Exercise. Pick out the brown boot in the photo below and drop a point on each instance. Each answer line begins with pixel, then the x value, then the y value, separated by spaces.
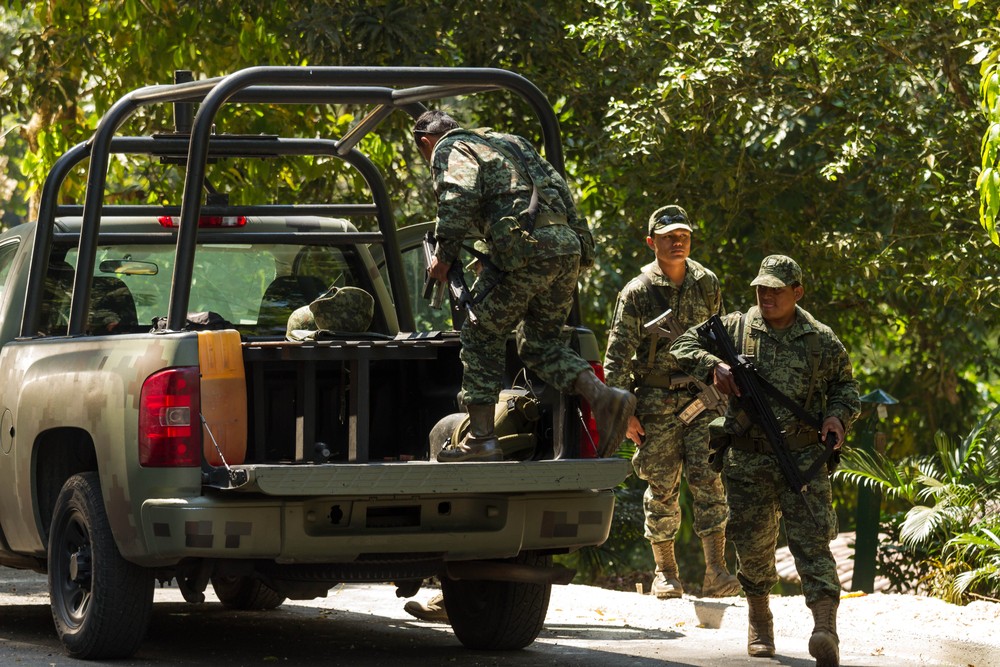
pixel 432 612
pixel 824 644
pixel 480 443
pixel 760 630
pixel 666 583
pixel 611 408
pixel 718 582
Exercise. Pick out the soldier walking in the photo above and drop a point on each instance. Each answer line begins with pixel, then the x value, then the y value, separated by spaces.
pixel 670 427
pixel 803 361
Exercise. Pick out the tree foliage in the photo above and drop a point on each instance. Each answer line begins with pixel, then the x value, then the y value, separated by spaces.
pixel 841 133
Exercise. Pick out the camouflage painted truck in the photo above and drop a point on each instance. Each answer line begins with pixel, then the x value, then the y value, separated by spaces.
pixel 157 425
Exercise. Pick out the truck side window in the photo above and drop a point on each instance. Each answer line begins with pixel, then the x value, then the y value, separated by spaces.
pixel 7 253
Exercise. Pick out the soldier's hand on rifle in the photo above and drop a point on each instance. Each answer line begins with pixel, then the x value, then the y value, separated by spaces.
pixel 438 270
pixel 833 425
pixel 636 433
pixel 724 380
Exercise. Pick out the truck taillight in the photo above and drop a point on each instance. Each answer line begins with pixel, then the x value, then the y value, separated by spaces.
pixel 169 419
pixel 588 434
pixel 207 221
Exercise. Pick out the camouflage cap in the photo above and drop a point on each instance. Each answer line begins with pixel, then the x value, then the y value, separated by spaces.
pixel 668 218
pixel 338 309
pixel 778 271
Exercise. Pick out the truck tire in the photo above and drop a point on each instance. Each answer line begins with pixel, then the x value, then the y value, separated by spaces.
pixel 498 615
pixel 246 594
pixel 101 603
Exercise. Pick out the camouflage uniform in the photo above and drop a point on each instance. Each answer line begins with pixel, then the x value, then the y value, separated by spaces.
pixel 758 494
pixel 479 186
pixel 669 444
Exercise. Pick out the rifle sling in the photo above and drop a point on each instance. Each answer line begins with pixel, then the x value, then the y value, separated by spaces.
pixel 533 204
pixel 795 408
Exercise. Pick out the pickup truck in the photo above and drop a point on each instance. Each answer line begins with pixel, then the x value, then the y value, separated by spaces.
pixel 157 424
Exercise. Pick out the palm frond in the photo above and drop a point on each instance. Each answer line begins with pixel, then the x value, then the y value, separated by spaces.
pixel 875 471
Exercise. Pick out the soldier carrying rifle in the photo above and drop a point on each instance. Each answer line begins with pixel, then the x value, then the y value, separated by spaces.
pixel 778 443
pixel 670 427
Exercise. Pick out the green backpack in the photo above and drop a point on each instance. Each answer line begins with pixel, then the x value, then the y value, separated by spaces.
pixel 515 419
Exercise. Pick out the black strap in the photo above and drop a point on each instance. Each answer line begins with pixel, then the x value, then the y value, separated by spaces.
pixel 533 204
pixel 654 291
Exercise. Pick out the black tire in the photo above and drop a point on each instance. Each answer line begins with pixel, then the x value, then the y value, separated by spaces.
pixel 101 603
pixel 498 615
pixel 246 594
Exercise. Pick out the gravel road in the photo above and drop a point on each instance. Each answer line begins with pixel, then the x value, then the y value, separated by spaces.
pixel 585 627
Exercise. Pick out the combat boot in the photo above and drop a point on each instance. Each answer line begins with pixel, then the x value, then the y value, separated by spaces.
pixel 666 582
pixel 480 443
pixel 433 612
pixel 611 409
pixel 760 629
pixel 824 644
pixel 718 582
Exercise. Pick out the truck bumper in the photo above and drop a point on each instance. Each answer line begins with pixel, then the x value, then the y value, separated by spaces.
pixel 344 529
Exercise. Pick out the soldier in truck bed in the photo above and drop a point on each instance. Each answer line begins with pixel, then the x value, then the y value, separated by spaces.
pixel 483 181
pixel 670 428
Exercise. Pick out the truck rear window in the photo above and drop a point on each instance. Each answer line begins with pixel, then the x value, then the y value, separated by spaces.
pixel 255 286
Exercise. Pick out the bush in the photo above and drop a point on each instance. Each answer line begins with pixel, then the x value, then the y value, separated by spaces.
pixel 950 531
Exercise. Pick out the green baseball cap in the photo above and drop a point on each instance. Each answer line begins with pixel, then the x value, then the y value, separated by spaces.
pixel 778 271
pixel 668 218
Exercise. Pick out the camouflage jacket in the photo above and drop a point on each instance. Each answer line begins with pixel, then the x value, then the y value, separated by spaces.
pixel 476 185
pixel 627 357
pixel 785 359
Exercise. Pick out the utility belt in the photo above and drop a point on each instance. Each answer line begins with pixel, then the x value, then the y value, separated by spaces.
pixel 547 219
pixel 760 445
pixel 677 381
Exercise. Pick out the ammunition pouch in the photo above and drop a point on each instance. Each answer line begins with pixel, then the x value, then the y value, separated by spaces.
pixel 718 442
pixel 664 381
pixel 510 246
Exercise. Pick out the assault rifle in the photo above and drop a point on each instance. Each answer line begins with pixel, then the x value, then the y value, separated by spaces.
pixel 460 292
pixel 759 411
pixel 667 327
pixel 433 290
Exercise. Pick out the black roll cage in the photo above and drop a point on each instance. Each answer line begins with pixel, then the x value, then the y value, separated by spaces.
pixel 388 88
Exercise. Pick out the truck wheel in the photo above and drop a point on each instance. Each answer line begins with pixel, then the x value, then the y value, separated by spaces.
pixel 101 603
pixel 497 615
pixel 246 594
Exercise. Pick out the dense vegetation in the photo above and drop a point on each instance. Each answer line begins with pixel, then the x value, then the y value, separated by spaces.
pixel 847 134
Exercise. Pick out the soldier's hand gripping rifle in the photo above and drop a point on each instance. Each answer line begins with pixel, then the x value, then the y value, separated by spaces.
pixel 433 290
pixel 753 401
pixel 461 295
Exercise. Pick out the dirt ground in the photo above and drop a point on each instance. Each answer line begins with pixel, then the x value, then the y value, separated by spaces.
pixel 919 629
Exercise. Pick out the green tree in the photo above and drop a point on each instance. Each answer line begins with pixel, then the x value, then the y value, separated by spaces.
pixel 838 133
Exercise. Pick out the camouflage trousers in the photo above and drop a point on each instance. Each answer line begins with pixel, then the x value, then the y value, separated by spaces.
pixel 669 448
pixel 536 300
pixel 758 498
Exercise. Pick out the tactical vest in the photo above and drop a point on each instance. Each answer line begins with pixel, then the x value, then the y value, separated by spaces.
pixel 656 293
pixel 747 346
